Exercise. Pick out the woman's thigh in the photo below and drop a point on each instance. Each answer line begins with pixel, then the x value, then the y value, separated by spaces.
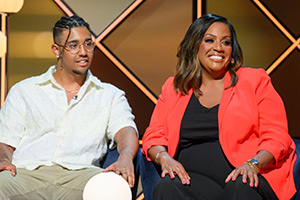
pixel 201 187
pixel 235 190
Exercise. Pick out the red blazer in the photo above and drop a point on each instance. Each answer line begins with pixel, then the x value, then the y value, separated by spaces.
pixel 251 118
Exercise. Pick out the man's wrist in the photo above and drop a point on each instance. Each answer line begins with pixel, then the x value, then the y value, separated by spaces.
pixel 126 154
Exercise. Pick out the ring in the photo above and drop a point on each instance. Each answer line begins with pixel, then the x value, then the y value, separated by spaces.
pixel 170 169
pixel 123 169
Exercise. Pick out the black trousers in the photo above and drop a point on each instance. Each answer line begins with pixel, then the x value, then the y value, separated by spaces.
pixel 208 169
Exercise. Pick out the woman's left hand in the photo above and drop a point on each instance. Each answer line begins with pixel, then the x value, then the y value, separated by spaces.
pixel 246 171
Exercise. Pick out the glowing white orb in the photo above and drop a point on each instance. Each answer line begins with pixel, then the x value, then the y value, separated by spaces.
pixel 107 186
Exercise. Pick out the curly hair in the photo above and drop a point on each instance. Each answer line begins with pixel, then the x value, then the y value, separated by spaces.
pixel 188 69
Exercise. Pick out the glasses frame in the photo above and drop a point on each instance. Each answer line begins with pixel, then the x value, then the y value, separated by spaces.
pixel 79 45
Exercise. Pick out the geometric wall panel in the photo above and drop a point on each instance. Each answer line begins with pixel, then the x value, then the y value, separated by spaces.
pixel 142 106
pixel 285 79
pixel 99 13
pixel 147 41
pixel 287 12
pixel 260 40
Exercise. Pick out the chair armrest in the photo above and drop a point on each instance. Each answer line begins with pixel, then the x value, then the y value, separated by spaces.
pixel 296 171
pixel 150 175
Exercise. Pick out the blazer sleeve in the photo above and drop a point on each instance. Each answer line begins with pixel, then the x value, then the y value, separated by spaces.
pixel 273 128
pixel 157 132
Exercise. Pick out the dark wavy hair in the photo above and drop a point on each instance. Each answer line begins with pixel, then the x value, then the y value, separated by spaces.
pixel 188 69
pixel 67 23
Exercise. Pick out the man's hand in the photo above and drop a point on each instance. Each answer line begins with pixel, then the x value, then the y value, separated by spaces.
pixel 6 153
pixel 127 145
pixel 123 166
pixel 5 165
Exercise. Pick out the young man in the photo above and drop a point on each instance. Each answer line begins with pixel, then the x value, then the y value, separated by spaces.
pixel 54 128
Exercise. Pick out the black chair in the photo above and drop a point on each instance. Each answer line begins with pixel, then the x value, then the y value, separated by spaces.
pixel 150 176
pixel 112 156
pixel 297 169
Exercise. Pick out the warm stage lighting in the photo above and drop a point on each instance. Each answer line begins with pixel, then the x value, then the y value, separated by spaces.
pixel 11 6
pixel 2 44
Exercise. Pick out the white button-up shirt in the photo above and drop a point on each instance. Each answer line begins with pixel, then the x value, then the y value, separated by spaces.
pixel 37 120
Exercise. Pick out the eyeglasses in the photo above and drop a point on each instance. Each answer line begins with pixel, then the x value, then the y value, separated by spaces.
pixel 73 47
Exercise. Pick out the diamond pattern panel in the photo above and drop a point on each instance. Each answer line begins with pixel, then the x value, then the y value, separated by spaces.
pixel 142 106
pixel 98 13
pixel 146 42
pixel 286 81
pixel 260 40
pixel 287 12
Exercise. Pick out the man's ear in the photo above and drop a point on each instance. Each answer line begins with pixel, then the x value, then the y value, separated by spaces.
pixel 55 50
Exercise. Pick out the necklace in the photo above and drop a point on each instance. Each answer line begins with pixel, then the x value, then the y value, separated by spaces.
pixel 72 91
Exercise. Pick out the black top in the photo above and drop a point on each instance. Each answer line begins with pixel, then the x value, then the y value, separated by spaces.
pixel 199 124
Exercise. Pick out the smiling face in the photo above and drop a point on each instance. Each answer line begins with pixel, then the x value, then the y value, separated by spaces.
pixel 74 63
pixel 215 50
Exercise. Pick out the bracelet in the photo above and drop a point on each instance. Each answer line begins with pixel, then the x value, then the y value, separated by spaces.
pixel 5 159
pixel 157 155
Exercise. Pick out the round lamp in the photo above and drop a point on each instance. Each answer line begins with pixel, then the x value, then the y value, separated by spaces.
pixel 11 6
pixel 107 186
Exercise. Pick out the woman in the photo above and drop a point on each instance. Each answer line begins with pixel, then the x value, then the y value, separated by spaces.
pixel 219 131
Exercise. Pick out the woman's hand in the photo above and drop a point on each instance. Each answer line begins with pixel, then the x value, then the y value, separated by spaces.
pixel 247 172
pixel 172 167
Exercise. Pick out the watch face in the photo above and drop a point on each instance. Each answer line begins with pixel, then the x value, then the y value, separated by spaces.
pixel 254 161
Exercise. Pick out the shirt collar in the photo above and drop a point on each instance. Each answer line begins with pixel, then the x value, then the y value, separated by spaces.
pixel 48 78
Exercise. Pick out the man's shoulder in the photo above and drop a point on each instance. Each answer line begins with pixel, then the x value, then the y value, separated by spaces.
pixel 109 89
pixel 109 86
pixel 26 83
pixel 31 81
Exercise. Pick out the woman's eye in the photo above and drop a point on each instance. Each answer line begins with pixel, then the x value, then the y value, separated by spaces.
pixel 208 40
pixel 227 43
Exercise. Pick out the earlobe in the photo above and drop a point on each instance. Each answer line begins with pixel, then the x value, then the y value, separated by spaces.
pixel 55 50
pixel 232 61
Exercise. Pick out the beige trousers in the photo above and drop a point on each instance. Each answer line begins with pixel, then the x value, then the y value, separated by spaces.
pixel 46 182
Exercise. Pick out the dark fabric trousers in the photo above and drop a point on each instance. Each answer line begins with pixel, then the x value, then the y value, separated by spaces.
pixel 206 189
pixel 208 169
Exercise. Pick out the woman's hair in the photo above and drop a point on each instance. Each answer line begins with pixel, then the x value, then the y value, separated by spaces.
pixel 188 69
pixel 67 23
